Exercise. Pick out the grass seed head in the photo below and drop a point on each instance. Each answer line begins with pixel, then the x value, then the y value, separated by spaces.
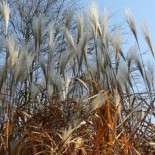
pixel 131 23
pixel 5 10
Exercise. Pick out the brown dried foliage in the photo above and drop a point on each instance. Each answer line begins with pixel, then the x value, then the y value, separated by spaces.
pixel 91 104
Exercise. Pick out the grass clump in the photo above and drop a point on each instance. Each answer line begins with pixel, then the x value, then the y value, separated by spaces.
pixel 84 99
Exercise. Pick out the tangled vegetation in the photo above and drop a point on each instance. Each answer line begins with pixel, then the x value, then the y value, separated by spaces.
pixel 90 98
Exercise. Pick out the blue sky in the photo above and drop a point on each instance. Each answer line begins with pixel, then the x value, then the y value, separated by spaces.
pixel 143 11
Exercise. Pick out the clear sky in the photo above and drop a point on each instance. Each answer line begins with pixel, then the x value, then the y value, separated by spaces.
pixel 143 11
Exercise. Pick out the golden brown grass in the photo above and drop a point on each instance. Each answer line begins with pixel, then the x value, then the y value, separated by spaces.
pixel 82 101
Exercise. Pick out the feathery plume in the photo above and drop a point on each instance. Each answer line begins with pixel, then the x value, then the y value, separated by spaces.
pixel 80 27
pixel 34 90
pixel 65 59
pixel 67 135
pixel 137 60
pixel 13 52
pixel 79 142
pixel 65 86
pixel 38 28
pixel 50 90
pixel 51 39
pixel 69 18
pixel 123 76
pixel 131 23
pixel 43 66
pixel 117 42
pixel 150 76
pixel 147 37
pixel 94 17
pixel 134 56
pixel 98 101
pixel 104 23
pixel 5 10
pixel 69 39
pixel 51 46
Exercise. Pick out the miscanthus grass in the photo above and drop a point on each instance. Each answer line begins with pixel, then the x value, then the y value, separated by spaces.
pixel 89 98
